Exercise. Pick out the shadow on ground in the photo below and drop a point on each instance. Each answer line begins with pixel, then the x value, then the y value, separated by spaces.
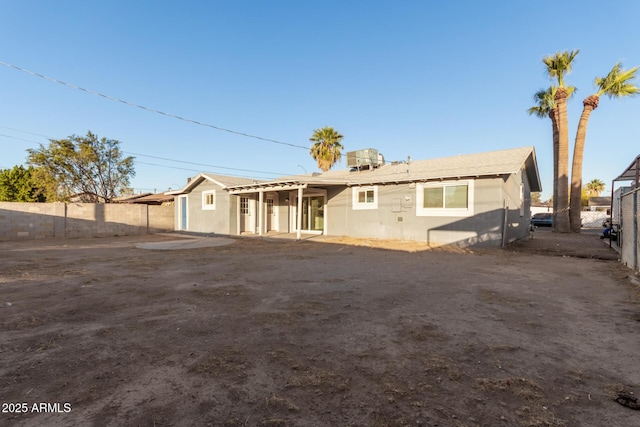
pixel 586 244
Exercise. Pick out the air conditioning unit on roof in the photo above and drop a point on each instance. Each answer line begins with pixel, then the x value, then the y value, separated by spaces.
pixel 365 158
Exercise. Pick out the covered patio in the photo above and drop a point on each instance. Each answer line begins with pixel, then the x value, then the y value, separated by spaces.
pixel 262 204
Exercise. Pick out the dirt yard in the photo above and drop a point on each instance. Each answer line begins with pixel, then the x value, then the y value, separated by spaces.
pixel 314 333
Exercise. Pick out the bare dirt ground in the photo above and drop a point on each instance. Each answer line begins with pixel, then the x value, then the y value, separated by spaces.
pixel 282 333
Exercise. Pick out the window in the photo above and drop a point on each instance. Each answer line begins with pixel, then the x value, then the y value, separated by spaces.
pixel 452 198
pixel 365 197
pixel 209 200
pixel 244 205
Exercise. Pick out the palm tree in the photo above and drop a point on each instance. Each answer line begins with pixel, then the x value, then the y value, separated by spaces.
pixel 558 65
pixel 546 107
pixel 326 148
pixel 594 187
pixel 616 84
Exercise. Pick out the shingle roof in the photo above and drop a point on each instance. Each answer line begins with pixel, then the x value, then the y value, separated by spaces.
pixel 470 165
pixel 223 180
pixel 493 163
pixel 229 181
pixel 502 162
pixel 600 201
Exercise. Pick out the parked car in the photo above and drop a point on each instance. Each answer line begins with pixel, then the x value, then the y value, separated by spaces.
pixel 542 220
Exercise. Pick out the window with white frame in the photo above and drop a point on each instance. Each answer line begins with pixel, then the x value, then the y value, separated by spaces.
pixel 365 197
pixel 209 200
pixel 447 198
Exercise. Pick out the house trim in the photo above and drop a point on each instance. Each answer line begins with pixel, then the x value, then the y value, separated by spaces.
pixel 356 204
pixel 208 206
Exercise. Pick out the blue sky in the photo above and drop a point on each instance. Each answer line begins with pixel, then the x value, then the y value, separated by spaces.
pixel 411 78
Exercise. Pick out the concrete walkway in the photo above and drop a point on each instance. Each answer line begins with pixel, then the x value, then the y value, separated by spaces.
pixel 185 242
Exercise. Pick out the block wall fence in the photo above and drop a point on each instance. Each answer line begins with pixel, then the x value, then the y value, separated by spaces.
pixel 24 221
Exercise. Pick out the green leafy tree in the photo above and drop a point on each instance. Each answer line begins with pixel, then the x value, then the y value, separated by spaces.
pixel 584 199
pixel 618 83
pixel 83 165
pixel 535 197
pixel 327 147
pixel 594 187
pixel 558 65
pixel 18 185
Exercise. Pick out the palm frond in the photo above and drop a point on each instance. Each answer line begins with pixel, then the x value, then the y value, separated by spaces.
pixel 560 64
pixel 618 82
pixel 544 102
pixel 326 149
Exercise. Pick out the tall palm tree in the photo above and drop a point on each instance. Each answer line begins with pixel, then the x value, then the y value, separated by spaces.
pixel 616 84
pixel 326 150
pixel 558 65
pixel 594 187
pixel 546 107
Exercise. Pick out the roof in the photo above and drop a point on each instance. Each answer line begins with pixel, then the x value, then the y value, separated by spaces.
pixel 631 173
pixel 494 163
pixel 599 201
pixel 130 198
pixel 223 181
pixel 153 199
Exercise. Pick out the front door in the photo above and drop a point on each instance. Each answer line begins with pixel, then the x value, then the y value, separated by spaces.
pixel 271 215
pixel 183 212
pixel 245 214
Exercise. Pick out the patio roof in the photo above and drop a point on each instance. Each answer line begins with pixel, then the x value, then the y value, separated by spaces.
pixel 631 173
pixel 269 186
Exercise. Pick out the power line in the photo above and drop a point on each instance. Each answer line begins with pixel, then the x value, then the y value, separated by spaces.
pixel 19 139
pixel 203 164
pixel 153 157
pixel 184 169
pixel 25 131
pixel 111 98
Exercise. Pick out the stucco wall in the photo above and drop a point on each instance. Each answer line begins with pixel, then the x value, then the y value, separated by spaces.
pixel 518 203
pixel 221 220
pixel 19 221
pixel 395 216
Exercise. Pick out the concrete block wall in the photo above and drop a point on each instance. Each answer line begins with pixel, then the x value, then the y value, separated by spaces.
pixel 161 218
pixel 20 221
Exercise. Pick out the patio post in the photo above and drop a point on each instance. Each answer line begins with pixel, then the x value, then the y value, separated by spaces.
pixel 260 211
pixel 299 212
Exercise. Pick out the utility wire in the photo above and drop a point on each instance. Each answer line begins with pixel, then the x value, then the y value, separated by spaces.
pixel 203 164
pixel 42 76
pixel 153 157
pixel 185 169
pixel 19 139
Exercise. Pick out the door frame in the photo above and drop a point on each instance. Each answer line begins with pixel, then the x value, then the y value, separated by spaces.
pixel 251 205
pixel 293 207
pixel 183 217
pixel 275 223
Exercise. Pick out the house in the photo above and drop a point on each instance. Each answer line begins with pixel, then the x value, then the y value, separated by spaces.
pixel 158 199
pixel 541 207
pixel 599 204
pixel 466 200
pixel 86 197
